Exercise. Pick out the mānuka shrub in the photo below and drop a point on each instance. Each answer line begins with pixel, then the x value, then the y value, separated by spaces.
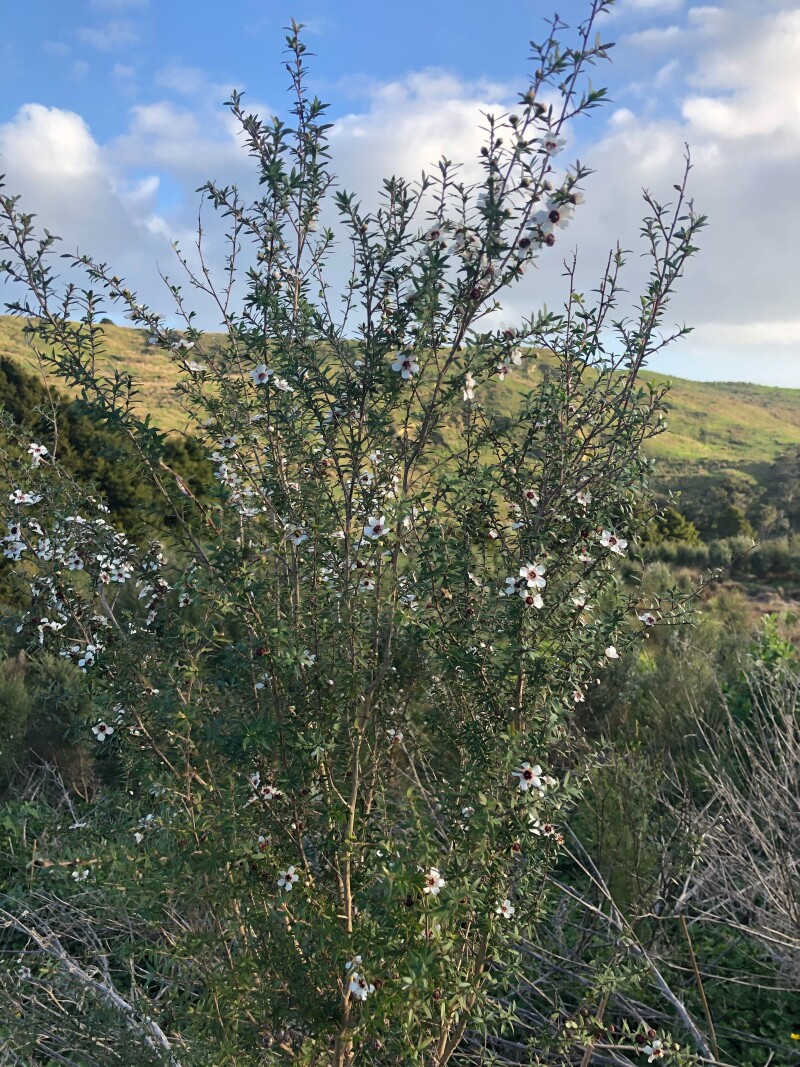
pixel 340 690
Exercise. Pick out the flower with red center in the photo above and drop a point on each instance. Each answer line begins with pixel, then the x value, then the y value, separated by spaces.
pixel 261 374
pixel 376 527
pixel 529 777
pixel 405 365
pixel 615 544
pixel 287 878
pixel 433 882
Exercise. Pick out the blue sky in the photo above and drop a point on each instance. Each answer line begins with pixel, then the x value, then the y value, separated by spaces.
pixel 111 116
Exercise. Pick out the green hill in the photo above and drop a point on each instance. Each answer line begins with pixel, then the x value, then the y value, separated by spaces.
pixel 721 430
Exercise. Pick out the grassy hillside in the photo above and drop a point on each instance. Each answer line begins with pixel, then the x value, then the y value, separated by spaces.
pixel 726 429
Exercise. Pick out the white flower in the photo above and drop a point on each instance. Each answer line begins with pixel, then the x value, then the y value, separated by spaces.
pixel 469 387
pixel 81 876
pixel 228 442
pixel 584 497
pixel 182 345
pixel 534 575
pixel 466 243
pixel 366 478
pixel 282 385
pixel 359 987
pixel 193 366
pixel 610 541
pixel 514 586
pixel 648 618
pixel 269 793
pixel 505 908
pixel 433 882
pixel 655 1050
pixel 295 534
pixel 37 453
pixel 532 600
pixel 102 730
pixel 435 234
pixel 18 497
pixel 287 878
pixel 530 496
pixel 405 366
pixel 468 811
pixel 376 527
pixel 529 777
pixel 551 143
pixel 577 696
pixel 366 584
pixel 611 653
pixel 556 216
pixel 260 374
pixel 138 837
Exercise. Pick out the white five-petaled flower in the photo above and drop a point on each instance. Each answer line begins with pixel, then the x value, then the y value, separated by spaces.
pixel 534 575
pixel 19 497
pixel 648 618
pixel 295 534
pixel 182 345
pixel 655 1050
pixel 376 527
pixel 405 365
pixel 433 882
pixel 81 876
pixel 551 143
pixel 37 453
pixel 469 387
pixel 435 234
pixel 359 987
pixel 287 878
pixel 102 730
pixel 610 541
pixel 584 497
pixel 611 653
pixel 261 374
pixel 505 908
pixel 270 792
pixel 531 600
pixel 282 385
pixel 395 736
pixel 529 777
pixel 228 442
pixel 555 216
pixel 578 696
pixel 530 496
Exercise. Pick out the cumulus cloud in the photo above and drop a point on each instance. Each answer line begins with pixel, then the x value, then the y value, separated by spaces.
pixel 733 94
pixel 110 37
pixel 51 157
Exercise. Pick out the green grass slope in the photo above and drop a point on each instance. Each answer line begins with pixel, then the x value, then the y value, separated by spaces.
pixel 714 428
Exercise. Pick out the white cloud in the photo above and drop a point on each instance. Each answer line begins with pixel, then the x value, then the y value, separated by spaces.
pixel 655 37
pixel 738 107
pixel 110 37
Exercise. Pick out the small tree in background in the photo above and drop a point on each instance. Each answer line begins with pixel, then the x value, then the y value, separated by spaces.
pixel 339 693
